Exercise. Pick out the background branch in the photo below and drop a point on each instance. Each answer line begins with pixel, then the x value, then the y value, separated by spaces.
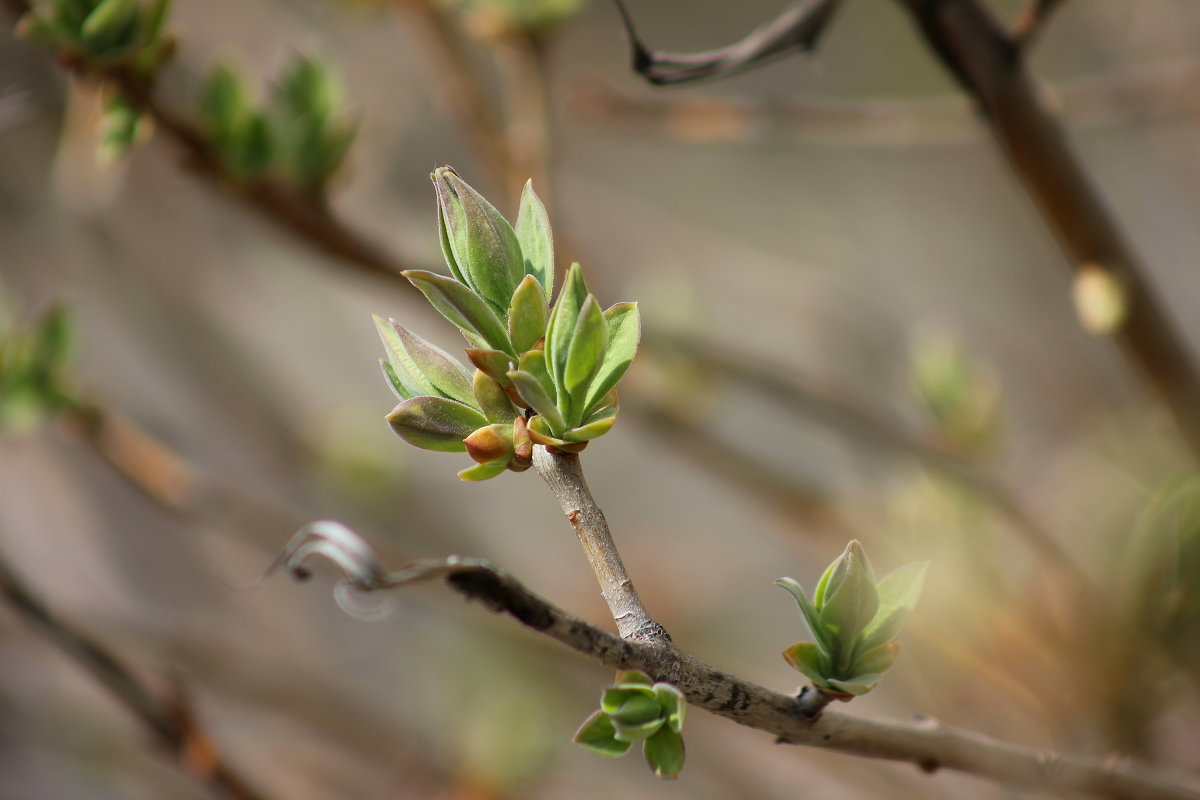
pixel 163 710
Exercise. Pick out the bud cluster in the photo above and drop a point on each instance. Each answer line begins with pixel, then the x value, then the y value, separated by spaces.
pixel 126 34
pixel 635 709
pixel 542 375
pixel 299 136
pixel 853 620
pixel 101 31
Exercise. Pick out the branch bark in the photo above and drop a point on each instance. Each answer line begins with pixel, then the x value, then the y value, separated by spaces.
pixel 563 474
pixel 927 743
pixel 165 711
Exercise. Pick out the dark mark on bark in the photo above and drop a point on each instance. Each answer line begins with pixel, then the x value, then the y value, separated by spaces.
pixel 494 592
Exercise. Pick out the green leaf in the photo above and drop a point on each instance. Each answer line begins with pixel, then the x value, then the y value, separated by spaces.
pixel 632 676
pixel 444 229
pixel 898 594
pixel 615 697
pixel 435 423
pixel 527 314
pixel 598 735
pixel 462 307
pixel 624 331
pixel 877 660
pixel 531 391
pixel 534 362
pixel 491 399
pixel 806 658
pixel 494 363
pixel 858 685
pixel 811 617
pixel 484 244
pixel 823 585
pixel 584 355
pixel 537 241
pixel 119 129
pixel 636 731
pixel 851 605
pixel 110 24
pixel 430 365
pixel 483 472
pixel 665 753
pixel 152 21
pixel 540 433
pixel 398 388
pixel 672 703
pixel 563 318
pixel 595 427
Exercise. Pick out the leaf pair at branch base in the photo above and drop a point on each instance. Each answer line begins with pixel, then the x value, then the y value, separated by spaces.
pixel 635 709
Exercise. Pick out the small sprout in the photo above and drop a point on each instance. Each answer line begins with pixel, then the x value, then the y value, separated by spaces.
pixel 33 362
pixel 854 620
pixel 960 393
pixel 543 376
pixel 635 709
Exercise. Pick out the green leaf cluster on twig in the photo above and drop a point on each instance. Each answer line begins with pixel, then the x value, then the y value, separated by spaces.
pixel 300 136
pixel 635 709
pixel 126 34
pixel 543 375
pixel 854 620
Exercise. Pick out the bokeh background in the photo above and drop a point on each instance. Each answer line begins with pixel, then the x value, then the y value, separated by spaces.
pixel 856 326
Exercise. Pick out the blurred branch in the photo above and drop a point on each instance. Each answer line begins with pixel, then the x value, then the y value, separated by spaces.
pixel 1032 20
pixel 856 422
pixel 1157 91
pixel 986 61
pixel 796 29
pixel 164 710
pixel 303 214
pixel 462 93
pixel 926 743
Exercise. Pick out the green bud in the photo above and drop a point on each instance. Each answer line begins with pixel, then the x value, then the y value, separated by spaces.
pixel 435 423
pixel 635 709
pixel 483 245
pixel 853 621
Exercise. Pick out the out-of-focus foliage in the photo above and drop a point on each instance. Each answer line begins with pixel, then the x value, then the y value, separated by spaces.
pixel 107 31
pixel 960 394
pixel 33 362
pixel 300 136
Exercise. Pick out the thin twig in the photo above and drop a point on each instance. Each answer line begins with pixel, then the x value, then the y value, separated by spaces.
pixel 164 710
pixel 796 29
pixel 926 743
pixel 564 476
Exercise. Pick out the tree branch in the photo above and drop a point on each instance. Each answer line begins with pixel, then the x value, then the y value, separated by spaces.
pixel 979 53
pixel 926 743
pixel 564 476
pixel 164 711
pixel 1032 20
pixel 796 29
